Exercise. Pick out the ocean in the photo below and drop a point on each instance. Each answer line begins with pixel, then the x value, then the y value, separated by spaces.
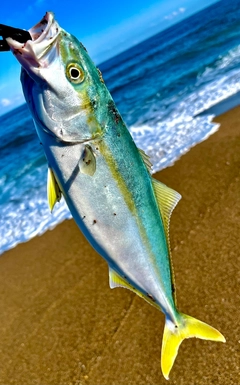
pixel 164 89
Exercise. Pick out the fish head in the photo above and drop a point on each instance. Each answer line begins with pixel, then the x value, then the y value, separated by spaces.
pixel 61 84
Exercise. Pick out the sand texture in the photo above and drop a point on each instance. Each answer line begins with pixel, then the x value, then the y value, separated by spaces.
pixel 60 323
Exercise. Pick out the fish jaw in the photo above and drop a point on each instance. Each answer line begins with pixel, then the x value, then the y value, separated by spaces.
pixel 41 51
pixel 62 108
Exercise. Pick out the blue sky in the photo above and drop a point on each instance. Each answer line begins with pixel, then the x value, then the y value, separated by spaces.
pixel 105 28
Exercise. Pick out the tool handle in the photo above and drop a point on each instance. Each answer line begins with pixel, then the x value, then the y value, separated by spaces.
pixel 4 46
pixel 21 35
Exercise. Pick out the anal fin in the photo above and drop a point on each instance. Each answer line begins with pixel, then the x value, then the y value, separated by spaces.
pixel 115 280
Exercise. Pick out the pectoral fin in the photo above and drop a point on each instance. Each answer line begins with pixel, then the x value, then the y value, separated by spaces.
pixel 53 191
pixel 87 162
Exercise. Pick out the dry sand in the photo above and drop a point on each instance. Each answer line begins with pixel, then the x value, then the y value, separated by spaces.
pixel 61 324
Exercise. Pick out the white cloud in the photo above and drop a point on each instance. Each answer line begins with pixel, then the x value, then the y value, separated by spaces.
pixel 10 102
pixel 5 102
pixel 174 14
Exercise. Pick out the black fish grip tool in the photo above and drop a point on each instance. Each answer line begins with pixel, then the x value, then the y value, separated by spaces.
pixel 21 35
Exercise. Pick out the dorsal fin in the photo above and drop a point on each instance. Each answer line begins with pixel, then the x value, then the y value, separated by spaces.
pixel 146 159
pixel 167 199
pixel 53 191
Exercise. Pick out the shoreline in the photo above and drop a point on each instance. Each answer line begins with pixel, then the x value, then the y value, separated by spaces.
pixel 61 324
pixel 216 110
pixel 222 106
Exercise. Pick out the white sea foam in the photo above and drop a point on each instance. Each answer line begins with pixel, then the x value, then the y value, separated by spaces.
pixel 31 217
pixel 166 139
pixel 165 132
pixel 163 140
pixel 172 140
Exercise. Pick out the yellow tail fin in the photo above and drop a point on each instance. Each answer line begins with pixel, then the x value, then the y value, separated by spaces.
pixel 187 327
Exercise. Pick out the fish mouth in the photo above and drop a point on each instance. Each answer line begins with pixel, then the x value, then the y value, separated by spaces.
pixel 35 52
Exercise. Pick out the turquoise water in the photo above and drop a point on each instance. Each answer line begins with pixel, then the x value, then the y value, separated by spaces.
pixel 159 86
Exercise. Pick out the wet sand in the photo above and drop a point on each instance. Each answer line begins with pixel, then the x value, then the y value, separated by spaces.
pixel 60 323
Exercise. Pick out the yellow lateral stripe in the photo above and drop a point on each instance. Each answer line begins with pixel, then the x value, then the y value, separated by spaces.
pixel 117 176
pixel 128 199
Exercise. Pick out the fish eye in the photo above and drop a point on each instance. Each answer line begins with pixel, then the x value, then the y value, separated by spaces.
pixel 75 73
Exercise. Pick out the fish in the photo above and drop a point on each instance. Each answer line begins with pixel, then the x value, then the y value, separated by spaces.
pixel 106 181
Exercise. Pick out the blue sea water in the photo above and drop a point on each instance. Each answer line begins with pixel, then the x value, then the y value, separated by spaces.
pixel 159 86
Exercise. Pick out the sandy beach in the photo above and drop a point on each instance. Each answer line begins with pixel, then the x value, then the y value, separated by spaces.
pixel 61 324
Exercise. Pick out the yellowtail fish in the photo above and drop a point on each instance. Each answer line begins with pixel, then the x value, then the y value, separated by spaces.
pixel 105 179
